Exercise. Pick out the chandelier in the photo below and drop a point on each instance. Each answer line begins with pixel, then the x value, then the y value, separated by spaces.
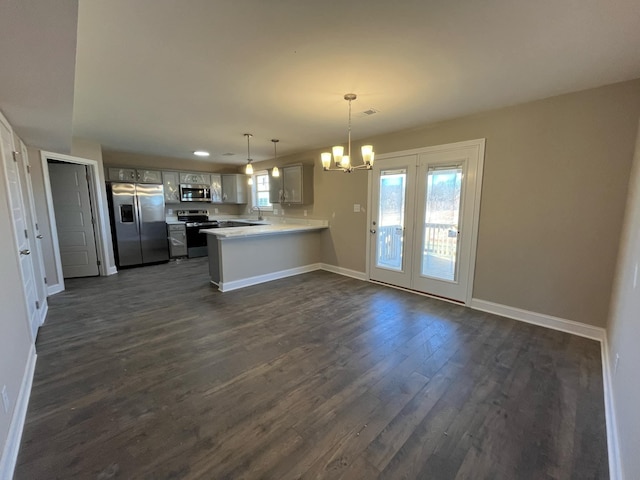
pixel 343 162
pixel 249 168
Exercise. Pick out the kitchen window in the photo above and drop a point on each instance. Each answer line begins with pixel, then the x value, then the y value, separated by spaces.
pixel 260 191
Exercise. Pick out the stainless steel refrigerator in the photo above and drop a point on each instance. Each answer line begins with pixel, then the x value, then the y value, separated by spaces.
pixel 138 223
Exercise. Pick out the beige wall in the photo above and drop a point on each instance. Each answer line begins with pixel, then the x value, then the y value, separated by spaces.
pixel 623 331
pixel 554 190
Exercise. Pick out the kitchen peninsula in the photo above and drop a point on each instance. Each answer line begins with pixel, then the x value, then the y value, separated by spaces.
pixel 244 256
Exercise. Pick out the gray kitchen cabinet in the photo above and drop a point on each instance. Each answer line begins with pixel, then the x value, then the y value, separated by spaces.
pixel 171 183
pixel 234 188
pixel 149 176
pixel 195 178
pixel 138 175
pixel 177 240
pixel 216 188
pixel 116 174
pixel 293 187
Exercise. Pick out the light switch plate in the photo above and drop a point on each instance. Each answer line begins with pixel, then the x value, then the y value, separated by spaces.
pixel 356 208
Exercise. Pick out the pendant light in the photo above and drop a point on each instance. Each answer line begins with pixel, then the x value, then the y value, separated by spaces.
pixel 275 172
pixel 343 162
pixel 249 168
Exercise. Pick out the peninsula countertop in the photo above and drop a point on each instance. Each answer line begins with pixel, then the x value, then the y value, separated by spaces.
pixel 266 228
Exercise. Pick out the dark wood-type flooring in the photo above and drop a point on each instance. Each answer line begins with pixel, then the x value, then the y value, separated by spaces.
pixel 154 374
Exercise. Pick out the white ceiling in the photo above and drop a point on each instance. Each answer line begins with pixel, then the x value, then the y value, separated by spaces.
pixel 166 77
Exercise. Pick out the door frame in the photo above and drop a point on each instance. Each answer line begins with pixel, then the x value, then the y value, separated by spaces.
pixel 480 143
pixel 98 209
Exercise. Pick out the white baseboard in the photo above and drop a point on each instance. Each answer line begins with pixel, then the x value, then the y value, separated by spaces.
pixel 55 288
pixel 344 271
pixel 267 277
pixel 615 470
pixel 10 452
pixel 555 323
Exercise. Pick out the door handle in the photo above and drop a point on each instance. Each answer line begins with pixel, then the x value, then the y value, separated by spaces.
pixel 26 251
pixel 373 230
pixel 40 236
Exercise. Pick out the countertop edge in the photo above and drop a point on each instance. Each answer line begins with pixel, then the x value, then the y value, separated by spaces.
pixel 258 231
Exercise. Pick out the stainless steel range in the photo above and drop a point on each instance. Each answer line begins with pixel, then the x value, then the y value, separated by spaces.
pixel 196 220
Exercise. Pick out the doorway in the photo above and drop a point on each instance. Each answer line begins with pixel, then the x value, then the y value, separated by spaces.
pixel 425 206
pixel 102 230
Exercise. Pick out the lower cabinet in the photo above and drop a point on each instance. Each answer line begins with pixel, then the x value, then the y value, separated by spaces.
pixel 177 240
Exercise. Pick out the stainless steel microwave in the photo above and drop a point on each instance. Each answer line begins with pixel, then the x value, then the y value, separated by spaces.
pixel 195 193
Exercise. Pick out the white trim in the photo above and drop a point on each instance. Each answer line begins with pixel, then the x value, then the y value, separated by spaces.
pixel 97 205
pixel 11 447
pixel 344 271
pixel 55 288
pixel 476 218
pixel 480 145
pixel 555 323
pixel 433 148
pixel 112 270
pixel 267 277
pixel 615 469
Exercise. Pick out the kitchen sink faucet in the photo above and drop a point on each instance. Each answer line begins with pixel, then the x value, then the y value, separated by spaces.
pixel 259 213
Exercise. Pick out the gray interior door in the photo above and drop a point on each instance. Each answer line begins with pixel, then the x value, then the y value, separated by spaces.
pixel 74 219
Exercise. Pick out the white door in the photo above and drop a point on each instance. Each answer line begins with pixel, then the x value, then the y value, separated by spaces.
pixel 393 191
pixel 445 207
pixel 425 210
pixel 74 219
pixel 34 230
pixel 20 225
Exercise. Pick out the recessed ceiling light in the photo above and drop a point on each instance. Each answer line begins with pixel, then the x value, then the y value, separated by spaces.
pixel 201 153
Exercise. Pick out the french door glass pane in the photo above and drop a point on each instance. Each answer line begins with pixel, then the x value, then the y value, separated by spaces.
pixel 442 213
pixel 390 228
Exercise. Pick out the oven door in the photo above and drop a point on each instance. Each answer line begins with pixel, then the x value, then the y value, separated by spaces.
pixel 195 193
pixel 197 241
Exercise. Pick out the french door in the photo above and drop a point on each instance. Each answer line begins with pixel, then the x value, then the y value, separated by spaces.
pixel 424 217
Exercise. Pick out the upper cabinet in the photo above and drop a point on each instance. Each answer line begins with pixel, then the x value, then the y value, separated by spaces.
pixel 171 182
pixel 195 178
pixel 293 187
pixel 216 188
pixel 234 188
pixel 137 175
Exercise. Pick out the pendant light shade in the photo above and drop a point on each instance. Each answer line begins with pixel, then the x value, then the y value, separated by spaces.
pixel 275 172
pixel 249 168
